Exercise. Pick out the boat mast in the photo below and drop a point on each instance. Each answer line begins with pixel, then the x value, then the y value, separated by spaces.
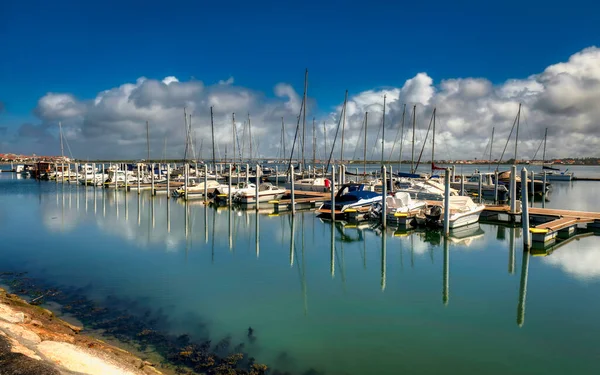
pixel 314 145
pixel 365 146
pixel 401 138
pixel 233 137
pixel 187 135
pixel 304 118
pixel 517 135
pixel 250 135
pixel 383 129
pixel 545 136
pixel 343 127
pixel 412 160
pixel 433 144
pixel 148 139
pixel 284 155
pixel 62 150
pixel 491 145
pixel 324 140
pixel 212 130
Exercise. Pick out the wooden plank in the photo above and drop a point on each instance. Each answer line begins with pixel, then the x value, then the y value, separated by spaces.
pixel 564 213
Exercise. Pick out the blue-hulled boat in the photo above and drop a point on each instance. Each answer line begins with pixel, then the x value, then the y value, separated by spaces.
pixel 351 196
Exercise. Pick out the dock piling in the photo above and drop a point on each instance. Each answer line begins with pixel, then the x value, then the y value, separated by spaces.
pixel 383 196
pixel 152 178
pixel 205 183
pixel 513 188
pixel 293 198
pixel 187 180
pixel 496 187
pixel 276 176
pixel 229 183
pixel 544 191
pixel 168 183
pixel 532 189
pixel 480 188
pixel 447 202
pixel 139 176
pixel 257 185
pixel 462 184
pixel 332 193
pixel 525 209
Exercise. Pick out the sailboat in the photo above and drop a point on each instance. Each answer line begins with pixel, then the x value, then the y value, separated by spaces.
pixel 552 174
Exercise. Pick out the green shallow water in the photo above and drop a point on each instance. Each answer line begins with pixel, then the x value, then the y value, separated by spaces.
pixel 371 303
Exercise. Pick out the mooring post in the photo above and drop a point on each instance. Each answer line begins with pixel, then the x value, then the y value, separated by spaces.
pixel 453 173
pixel 340 179
pixel 332 192
pixel 139 176
pixel 391 181
pixel 77 175
pixel 152 178
pixel 126 179
pixel 276 176
pixel 186 180
pixel 257 186
pixel 447 202
pixel 532 189
pixel 247 176
pixel 168 182
pixel 205 183
pixel 229 186
pixel 293 192
pixel 544 192
pixel 480 188
pixel 513 188
pixel 383 196
pixel 496 187
pixel 525 209
pixel 462 184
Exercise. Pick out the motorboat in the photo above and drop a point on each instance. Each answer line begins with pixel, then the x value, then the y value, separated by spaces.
pixel 488 186
pixel 222 192
pixel 266 192
pixel 318 184
pixel 463 211
pixel 351 196
pixel 211 185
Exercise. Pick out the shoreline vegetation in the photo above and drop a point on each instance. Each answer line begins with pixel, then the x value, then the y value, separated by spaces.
pixel 35 340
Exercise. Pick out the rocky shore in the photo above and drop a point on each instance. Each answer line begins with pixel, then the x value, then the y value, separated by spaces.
pixel 35 342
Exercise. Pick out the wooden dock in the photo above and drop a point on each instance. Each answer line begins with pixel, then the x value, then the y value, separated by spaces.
pixel 547 224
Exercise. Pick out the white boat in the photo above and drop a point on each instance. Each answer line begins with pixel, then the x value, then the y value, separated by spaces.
pixel 197 189
pixel 555 175
pixel 402 203
pixel 222 192
pixel 318 184
pixel 463 211
pixel 428 189
pixel 89 175
pixel 266 192
pixel 351 196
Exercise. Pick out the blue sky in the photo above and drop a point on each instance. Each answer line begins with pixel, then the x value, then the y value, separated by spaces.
pixel 84 47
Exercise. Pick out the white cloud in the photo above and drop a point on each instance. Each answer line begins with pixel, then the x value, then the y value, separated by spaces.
pixel 563 98
pixel 581 260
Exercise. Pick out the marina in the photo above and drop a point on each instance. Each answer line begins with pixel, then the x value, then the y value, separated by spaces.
pixel 147 250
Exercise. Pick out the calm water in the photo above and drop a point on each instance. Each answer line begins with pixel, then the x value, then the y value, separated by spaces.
pixel 364 303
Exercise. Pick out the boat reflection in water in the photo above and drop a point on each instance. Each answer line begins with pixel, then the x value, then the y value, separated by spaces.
pixel 367 286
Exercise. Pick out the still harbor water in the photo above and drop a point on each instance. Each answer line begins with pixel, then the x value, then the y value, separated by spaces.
pixel 339 300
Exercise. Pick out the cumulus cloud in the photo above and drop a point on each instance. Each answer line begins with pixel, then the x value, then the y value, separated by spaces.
pixel 581 261
pixel 562 98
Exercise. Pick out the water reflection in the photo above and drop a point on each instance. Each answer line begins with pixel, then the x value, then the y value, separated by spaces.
pixel 523 289
pixel 369 309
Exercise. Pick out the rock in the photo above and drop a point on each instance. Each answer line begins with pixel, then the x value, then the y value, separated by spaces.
pixel 12 363
pixel 36 323
pixel 73 327
pixel 19 332
pixel 73 358
pixel 10 315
